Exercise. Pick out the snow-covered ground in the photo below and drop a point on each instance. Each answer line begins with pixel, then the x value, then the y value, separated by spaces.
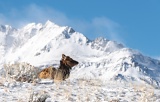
pixel 80 90
pixel 107 71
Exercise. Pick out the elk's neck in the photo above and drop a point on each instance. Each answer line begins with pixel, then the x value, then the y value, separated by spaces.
pixel 64 66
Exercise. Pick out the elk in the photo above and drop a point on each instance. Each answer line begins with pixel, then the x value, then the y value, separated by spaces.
pixel 62 72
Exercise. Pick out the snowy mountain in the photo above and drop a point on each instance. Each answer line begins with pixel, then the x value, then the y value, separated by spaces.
pixel 43 44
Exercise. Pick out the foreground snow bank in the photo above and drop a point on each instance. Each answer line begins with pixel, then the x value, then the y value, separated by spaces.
pixel 81 90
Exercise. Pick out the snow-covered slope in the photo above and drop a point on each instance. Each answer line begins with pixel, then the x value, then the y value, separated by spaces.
pixel 43 44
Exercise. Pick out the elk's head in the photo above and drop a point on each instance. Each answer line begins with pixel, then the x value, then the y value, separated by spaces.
pixel 68 61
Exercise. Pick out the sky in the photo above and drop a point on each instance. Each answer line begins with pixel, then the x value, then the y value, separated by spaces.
pixel 135 23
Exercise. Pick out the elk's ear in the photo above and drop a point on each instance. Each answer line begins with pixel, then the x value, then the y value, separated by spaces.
pixel 63 56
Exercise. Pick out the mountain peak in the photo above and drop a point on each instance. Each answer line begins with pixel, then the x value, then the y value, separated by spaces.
pixel 29 25
pixel 6 28
pixel 101 39
pixel 70 30
pixel 50 24
pixel 32 26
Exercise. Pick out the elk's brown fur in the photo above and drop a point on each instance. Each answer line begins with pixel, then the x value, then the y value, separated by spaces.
pixel 62 73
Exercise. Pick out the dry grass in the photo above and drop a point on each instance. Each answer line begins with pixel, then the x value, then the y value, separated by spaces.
pixel 22 72
pixel 86 90
pixel 147 92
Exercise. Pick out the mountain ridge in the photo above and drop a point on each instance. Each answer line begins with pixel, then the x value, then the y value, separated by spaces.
pixel 43 44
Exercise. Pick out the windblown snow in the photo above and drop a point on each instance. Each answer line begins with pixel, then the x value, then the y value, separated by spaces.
pixel 101 59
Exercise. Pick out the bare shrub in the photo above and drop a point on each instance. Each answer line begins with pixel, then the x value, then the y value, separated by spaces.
pixel 22 72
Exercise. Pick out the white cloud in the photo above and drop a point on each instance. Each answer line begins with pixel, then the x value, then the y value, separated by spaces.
pixel 98 26
pixel 105 26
